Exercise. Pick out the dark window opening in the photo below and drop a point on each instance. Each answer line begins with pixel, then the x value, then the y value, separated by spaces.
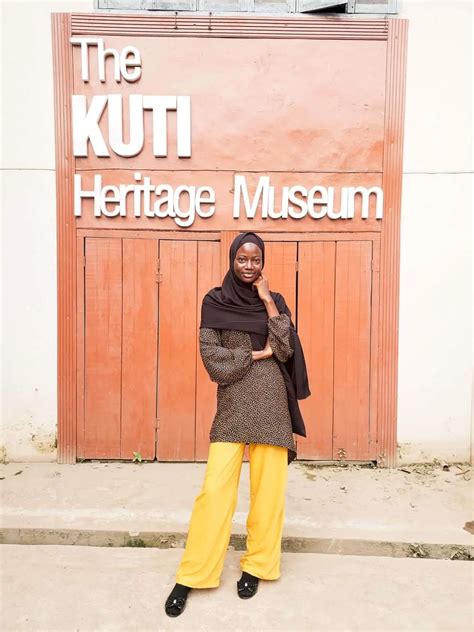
pixel 339 8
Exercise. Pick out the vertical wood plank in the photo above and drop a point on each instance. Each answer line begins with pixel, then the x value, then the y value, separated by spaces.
pixel 280 269
pixel 139 347
pixel 374 350
pixel 209 275
pixel 316 265
pixel 352 350
pixel 103 352
pixel 227 237
pixel 177 351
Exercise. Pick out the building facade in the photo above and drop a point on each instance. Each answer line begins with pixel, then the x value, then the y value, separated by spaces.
pixel 171 133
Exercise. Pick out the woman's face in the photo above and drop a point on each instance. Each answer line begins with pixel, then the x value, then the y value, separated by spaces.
pixel 248 262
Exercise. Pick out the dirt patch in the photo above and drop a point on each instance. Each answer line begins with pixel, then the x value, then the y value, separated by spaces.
pixel 425 471
pixel 313 470
pixel 44 443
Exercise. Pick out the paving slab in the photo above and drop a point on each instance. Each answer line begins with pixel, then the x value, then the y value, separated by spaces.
pixel 90 589
pixel 421 504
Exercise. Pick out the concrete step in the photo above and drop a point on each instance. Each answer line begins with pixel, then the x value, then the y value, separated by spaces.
pixel 353 510
pixel 167 540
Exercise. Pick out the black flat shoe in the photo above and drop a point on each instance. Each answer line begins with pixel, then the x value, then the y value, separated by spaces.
pixel 176 601
pixel 247 586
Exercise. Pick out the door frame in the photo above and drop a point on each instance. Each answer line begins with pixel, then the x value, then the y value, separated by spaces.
pixel 394 31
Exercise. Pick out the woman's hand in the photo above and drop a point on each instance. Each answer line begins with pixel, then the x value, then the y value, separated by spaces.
pixel 262 287
pixel 266 352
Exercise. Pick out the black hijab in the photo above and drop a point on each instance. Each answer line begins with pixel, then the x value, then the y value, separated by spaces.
pixel 236 305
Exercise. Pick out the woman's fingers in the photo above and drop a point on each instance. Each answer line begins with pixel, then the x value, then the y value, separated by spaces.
pixel 268 350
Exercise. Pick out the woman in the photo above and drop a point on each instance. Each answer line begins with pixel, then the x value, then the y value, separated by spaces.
pixel 249 346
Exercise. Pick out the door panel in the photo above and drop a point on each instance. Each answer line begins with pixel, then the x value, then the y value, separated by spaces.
pixel 120 334
pixel 280 269
pixel 103 348
pixel 334 314
pixel 177 351
pixel 139 347
pixel 316 272
pixel 208 276
pixel 352 350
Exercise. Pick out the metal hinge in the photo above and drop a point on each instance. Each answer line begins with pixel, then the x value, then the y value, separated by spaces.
pixel 374 266
pixel 296 266
pixel 84 261
pixel 157 427
pixel 158 275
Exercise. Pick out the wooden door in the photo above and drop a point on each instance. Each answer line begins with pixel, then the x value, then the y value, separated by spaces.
pixel 136 291
pixel 351 426
pixel 186 396
pixel 139 347
pixel 177 350
pixel 334 322
pixel 119 354
pixel 141 363
pixel 316 279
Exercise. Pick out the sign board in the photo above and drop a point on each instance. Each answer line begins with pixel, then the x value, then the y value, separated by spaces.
pixel 228 134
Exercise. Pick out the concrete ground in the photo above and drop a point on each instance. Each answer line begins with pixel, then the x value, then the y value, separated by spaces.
pixel 424 503
pixel 348 509
pixel 91 589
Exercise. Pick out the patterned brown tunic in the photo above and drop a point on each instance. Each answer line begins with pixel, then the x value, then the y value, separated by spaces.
pixel 252 404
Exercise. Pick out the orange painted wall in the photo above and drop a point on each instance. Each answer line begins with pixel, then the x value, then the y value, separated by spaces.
pixel 320 109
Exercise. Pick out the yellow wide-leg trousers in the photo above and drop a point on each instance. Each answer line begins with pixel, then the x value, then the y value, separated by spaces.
pixel 210 525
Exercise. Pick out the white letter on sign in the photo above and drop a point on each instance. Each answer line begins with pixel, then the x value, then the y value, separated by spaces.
pixel 85 125
pixel 132 62
pixel 159 105
pixel 135 145
pixel 79 194
pixel 184 126
pixel 365 194
pixel 240 188
pixel 102 53
pixel 84 42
